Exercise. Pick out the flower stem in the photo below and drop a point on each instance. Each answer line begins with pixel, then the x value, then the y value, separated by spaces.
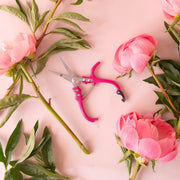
pixel 178 130
pixel 136 169
pixel 47 23
pixel 150 68
pixel 49 107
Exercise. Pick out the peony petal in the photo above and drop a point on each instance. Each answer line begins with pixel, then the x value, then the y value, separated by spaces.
pixel 139 62
pixel 146 130
pixel 142 45
pixel 169 156
pixel 149 148
pixel 167 146
pixel 129 137
pixel 164 129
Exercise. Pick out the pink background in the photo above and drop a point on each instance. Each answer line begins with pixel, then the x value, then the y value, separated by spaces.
pixel 112 23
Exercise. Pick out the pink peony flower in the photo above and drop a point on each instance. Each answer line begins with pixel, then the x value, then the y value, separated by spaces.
pixel 171 8
pixel 11 53
pixel 149 137
pixel 134 54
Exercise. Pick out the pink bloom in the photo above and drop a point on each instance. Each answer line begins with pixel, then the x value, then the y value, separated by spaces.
pixel 148 136
pixel 171 8
pixel 134 54
pixel 13 52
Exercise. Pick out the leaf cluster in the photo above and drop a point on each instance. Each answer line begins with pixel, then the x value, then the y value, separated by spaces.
pixel 170 80
pixel 44 165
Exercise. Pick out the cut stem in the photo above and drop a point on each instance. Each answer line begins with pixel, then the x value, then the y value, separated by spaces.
pixel 54 113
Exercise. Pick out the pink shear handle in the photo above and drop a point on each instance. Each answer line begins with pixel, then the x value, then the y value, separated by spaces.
pixel 99 80
pixel 79 99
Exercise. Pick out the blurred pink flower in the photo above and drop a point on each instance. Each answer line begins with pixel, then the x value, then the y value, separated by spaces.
pixel 13 52
pixel 149 137
pixel 171 8
pixel 134 54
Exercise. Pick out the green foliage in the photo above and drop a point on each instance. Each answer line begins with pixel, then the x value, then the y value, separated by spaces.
pixel 78 2
pixel 12 102
pixel 43 149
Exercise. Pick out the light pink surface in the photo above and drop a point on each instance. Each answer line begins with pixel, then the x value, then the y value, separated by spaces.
pixel 112 23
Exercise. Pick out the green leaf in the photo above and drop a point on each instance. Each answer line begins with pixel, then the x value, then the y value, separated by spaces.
pixel 171 70
pixel 173 33
pixel 40 145
pixel 8 115
pixel 72 15
pixel 153 164
pixel 64 31
pixel 13 99
pixel 78 2
pixel 29 169
pixel 21 8
pixel 53 0
pixel 47 151
pixel 51 174
pixel 41 18
pixel 13 174
pixel 34 15
pixel 2 157
pixel 172 122
pixel 13 141
pixel 128 161
pixel 15 12
pixel 126 156
pixel 29 147
pixel 69 23
pixel 29 9
pixel 163 100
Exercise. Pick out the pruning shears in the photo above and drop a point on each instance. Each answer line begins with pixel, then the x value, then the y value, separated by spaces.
pixel 76 80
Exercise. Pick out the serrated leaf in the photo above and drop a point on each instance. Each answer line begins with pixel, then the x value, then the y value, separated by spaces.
pixel 78 2
pixel 29 147
pixel 12 100
pixel 15 12
pixel 72 15
pixel 71 23
pixel 47 151
pixel 29 169
pixel 13 141
pixel 13 174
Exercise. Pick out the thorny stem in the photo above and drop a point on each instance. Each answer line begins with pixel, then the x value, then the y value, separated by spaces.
pixel 49 107
pixel 162 89
pixel 136 169
pixel 47 23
